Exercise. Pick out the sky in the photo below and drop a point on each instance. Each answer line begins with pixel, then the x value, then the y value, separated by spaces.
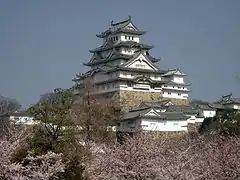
pixel 43 44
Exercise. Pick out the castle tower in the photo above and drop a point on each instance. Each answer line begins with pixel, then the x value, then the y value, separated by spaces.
pixel 122 66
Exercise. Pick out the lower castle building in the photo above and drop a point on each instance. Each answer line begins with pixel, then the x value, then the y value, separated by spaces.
pixel 122 67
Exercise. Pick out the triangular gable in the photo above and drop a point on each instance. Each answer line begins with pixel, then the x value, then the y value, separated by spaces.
pixel 169 103
pixel 127 24
pixel 177 72
pixel 152 112
pixel 131 26
pixel 140 62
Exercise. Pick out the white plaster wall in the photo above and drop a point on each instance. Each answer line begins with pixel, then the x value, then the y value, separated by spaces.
pixel 236 106
pixel 125 88
pixel 178 79
pixel 136 87
pixel 208 113
pixel 175 125
pixel 135 38
pixel 156 77
pixel 175 94
pixel 133 75
pixel 175 87
pixel 141 86
pixel 191 120
pixel 199 120
pixel 22 120
pixel 194 119
pixel 128 51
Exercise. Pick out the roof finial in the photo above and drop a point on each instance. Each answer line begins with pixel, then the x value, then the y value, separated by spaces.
pixel 129 17
pixel 111 22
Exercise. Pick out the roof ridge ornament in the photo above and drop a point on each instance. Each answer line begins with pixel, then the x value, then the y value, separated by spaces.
pixel 129 17
pixel 112 22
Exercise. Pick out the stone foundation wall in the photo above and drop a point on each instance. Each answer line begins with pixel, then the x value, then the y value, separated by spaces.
pixel 133 98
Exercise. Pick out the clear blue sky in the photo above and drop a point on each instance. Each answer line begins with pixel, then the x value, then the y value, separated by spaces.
pixel 44 43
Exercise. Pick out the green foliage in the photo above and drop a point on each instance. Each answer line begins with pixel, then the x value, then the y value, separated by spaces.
pixel 208 125
pixel 226 122
pixel 53 112
pixel 229 123
pixel 58 129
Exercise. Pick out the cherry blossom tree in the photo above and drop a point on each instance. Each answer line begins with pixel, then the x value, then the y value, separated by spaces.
pixel 32 167
pixel 188 158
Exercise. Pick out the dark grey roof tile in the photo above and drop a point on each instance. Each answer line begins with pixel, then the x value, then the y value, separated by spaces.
pixel 186 109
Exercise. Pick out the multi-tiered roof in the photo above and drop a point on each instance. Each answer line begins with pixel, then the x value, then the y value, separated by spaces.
pixel 113 42
pixel 122 53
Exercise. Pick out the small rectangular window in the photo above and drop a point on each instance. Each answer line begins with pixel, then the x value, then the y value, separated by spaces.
pixel 125 37
pixel 132 37
pixel 173 87
pixel 179 94
pixel 116 38
pixel 169 93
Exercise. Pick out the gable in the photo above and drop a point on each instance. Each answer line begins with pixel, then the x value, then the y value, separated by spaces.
pixel 130 26
pixel 178 73
pixel 141 62
pixel 151 113
pixel 169 104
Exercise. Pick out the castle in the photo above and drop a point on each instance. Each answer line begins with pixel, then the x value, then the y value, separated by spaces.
pixel 123 67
